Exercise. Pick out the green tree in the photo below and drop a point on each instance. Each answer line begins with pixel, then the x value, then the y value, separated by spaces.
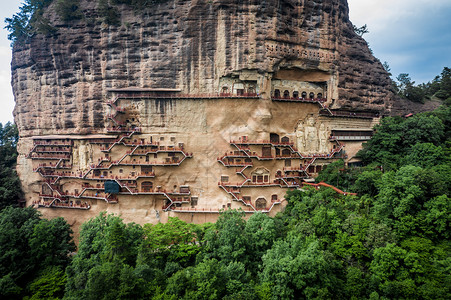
pixel 438 216
pixel 385 147
pixel 424 155
pixel 51 242
pixel 356 283
pixel 226 241
pixel 16 228
pixel 387 67
pixel 106 246
pixel 336 174
pixel 398 194
pixel 115 280
pixel 9 289
pixel 408 271
pixel 298 268
pixel 175 241
pixel 435 180
pixel 316 213
pixel 261 231
pixel 433 86
pixel 422 128
pixel 10 191
pixel 387 263
pixel 28 245
pixel 366 181
pixel 207 280
pixel 349 243
pixel 49 285
pixel 394 138
pixel 407 89
pixel 28 20
pixel 445 84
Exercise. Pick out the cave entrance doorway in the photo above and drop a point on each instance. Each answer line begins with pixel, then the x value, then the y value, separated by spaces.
pixel 147 186
pixel 260 203
pixel 274 138
pixel 225 90
pixel 286 94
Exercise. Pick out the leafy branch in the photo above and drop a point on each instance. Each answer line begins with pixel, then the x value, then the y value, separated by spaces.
pixel 28 20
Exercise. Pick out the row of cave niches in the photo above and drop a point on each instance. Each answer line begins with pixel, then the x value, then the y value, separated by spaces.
pixel 296 95
pixel 127 166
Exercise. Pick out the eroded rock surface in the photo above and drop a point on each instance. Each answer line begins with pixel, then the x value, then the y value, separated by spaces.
pixel 60 81
pixel 190 107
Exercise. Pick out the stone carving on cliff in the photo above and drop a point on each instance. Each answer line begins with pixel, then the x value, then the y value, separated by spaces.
pixel 323 134
pixel 75 156
pixel 310 139
pixel 300 141
pixel 83 156
pixel 311 135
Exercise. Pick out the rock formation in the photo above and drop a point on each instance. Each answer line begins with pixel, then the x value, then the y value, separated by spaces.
pixel 61 80
pixel 180 84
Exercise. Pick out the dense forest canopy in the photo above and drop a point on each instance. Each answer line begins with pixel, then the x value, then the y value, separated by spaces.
pixel 10 191
pixel 34 253
pixel 437 89
pixel 392 241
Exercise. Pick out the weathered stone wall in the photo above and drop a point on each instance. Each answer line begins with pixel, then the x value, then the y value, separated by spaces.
pixel 60 80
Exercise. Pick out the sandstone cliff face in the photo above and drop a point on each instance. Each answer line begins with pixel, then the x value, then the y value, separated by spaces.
pixel 61 81
pixel 191 107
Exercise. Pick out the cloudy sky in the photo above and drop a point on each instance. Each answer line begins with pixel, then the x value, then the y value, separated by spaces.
pixel 413 36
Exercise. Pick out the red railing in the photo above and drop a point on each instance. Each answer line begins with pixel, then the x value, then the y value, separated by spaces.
pixel 49 156
pixel 50 149
pixel 261 142
pixel 123 129
pixel 299 99
pixel 156 95
pixel 349 114
pixel 52 143
pixel 318 185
